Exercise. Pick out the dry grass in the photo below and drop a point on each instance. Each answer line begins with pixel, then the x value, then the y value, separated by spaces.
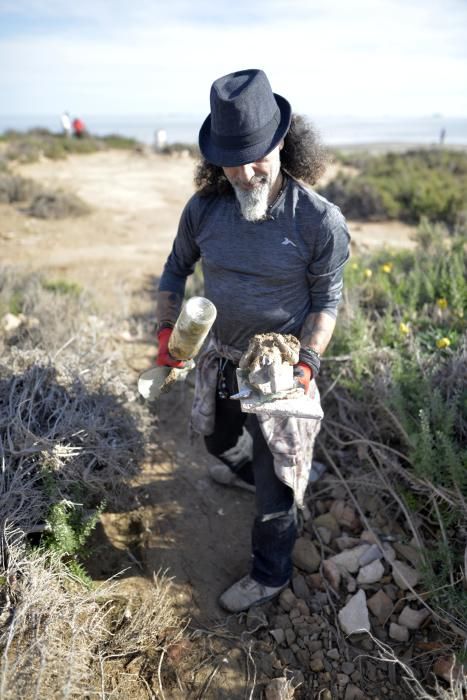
pixel 60 640
pixel 71 430
pixel 70 427
pixel 57 205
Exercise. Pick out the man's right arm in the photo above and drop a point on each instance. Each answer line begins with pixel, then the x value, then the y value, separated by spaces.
pixel 168 308
pixel 179 266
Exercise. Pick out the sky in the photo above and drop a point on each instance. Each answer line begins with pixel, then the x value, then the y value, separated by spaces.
pixel 327 57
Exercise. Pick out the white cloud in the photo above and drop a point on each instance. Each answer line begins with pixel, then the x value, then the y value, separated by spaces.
pixel 363 57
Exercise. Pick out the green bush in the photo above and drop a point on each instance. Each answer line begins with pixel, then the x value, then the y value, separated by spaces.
pixel 401 345
pixel 409 186
pixel 29 146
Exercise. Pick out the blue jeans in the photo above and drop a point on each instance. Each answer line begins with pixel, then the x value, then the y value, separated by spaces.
pixel 275 526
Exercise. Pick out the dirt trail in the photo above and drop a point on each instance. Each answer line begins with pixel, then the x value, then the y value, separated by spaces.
pixel 178 519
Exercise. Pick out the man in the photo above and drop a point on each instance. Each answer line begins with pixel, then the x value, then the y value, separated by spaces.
pixel 273 254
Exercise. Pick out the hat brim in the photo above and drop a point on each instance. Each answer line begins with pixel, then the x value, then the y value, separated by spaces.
pixel 226 158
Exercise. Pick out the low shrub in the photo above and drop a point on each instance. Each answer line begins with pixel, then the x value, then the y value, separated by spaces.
pixel 57 205
pixel 28 147
pixel 401 352
pixel 409 186
pixel 14 188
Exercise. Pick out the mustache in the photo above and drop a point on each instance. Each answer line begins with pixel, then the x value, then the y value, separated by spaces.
pixel 255 181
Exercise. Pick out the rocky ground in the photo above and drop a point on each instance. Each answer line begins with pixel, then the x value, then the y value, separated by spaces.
pixel 353 605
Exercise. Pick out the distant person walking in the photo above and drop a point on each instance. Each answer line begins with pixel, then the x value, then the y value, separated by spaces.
pixel 442 136
pixel 79 128
pixel 66 124
pixel 161 140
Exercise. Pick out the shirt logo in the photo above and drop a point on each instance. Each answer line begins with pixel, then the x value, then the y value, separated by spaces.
pixel 287 241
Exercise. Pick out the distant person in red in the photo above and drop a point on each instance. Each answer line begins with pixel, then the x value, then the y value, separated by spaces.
pixel 79 128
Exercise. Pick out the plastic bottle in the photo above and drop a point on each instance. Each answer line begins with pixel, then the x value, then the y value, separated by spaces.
pixel 192 327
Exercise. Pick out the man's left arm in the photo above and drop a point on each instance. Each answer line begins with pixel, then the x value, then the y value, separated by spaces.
pixel 325 274
pixel 317 331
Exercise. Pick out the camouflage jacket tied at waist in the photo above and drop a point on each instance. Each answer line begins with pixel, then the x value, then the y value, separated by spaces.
pixel 291 440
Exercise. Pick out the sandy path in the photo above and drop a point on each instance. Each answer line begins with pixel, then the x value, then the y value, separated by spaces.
pixel 198 530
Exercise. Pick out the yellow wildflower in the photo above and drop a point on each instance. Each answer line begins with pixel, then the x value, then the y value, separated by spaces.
pixel 368 273
pixel 442 303
pixel 387 268
pixel 354 266
pixel 404 328
pixel 443 343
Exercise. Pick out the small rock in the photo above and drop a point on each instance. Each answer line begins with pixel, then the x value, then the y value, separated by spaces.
pixel 381 606
pixel 352 692
pixel 303 607
pixel 266 662
pixel 404 575
pixel 315 581
pixel 316 665
pixel 351 584
pixel 303 658
pixel 353 617
pixel 328 521
pixel 282 621
pixel 342 679
pixel 348 668
pixel 391 591
pixel 324 534
pixel 346 542
pixel 299 587
pixel 314 645
pixel 290 636
pixel 333 654
pixel 371 572
pixel 287 600
pixel 332 573
pixel 297 678
pixel 413 619
pixel 369 536
pixel 411 554
pixel 398 632
pixel 325 694
pixel 389 552
pixel 349 559
pixel 305 555
pixel 345 515
pixel 277 689
pixel 278 634
pixel 372 553
pixel 286 656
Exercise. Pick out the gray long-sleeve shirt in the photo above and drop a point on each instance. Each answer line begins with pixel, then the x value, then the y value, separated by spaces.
pixel 265 276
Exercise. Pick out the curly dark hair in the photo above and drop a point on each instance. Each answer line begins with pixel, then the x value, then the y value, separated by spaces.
pixel 303 157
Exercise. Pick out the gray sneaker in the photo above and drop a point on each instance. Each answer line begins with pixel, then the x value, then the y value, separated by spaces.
pixel 222 474
pixel 247 592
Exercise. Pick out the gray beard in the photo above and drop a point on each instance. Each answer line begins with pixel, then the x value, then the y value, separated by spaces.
pixel 253 203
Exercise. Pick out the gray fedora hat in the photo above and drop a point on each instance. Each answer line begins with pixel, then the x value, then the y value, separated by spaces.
pixel 247 119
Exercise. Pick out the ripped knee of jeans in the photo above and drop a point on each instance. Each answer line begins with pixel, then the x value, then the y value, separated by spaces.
pixel 293 511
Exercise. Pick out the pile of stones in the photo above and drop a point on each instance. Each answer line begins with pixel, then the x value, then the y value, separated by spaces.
pixel 352 594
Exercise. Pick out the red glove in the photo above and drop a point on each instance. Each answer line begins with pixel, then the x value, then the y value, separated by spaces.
pixel 303 375
pixel 164 358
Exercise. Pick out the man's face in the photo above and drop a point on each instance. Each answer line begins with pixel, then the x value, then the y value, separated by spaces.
pixel 255 184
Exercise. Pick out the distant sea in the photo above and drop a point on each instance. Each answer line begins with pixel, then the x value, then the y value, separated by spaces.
pixel 334 130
